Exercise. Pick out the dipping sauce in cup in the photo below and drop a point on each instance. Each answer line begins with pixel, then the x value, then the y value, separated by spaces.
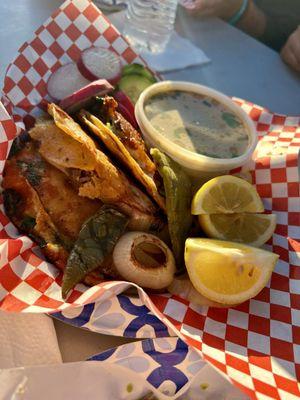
pixel 200 128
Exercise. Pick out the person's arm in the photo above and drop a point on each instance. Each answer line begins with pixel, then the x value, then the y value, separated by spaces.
pixel 218 8
pixel 290 53
pixel 268 21
pixel 253 21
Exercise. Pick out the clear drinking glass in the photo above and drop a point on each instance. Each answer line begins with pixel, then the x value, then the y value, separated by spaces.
pixel 150 23
pixel 111 5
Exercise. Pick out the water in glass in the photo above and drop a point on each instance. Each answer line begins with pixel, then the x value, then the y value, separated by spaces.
pixel 110 5
pixel 149 23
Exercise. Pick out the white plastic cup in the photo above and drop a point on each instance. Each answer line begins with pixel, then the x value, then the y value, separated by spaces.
pixel 193 162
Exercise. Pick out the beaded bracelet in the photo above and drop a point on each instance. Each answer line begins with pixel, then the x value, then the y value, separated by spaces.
pixel 238 15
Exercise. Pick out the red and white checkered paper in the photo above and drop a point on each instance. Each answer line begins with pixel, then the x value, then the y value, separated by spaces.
pixel 257 344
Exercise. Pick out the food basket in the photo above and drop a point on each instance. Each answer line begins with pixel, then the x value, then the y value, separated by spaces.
pixel 257 344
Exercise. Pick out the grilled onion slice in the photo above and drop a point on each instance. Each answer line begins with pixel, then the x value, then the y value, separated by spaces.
pixel 144 259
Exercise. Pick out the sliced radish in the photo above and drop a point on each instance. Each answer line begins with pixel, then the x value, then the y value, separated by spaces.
pixel 82 97
pixel 100 63
pixel 127 115
pixel 125 107
pixel 124 100
pixel 64 81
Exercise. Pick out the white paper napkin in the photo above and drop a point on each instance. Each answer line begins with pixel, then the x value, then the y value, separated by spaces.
pixel 27 339
pixel 102 380
pixel 77 381
pixel 179 54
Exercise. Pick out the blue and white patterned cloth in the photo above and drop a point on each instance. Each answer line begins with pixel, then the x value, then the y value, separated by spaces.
pixel 119 315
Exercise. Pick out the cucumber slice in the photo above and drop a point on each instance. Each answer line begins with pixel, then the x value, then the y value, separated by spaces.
pixel 133 85
pixel 138 69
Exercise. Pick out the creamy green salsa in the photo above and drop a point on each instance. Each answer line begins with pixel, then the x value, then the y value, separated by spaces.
pixel 197 123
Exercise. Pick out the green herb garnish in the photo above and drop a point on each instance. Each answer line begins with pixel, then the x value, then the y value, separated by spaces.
pixel 129 387
pixel 230 120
